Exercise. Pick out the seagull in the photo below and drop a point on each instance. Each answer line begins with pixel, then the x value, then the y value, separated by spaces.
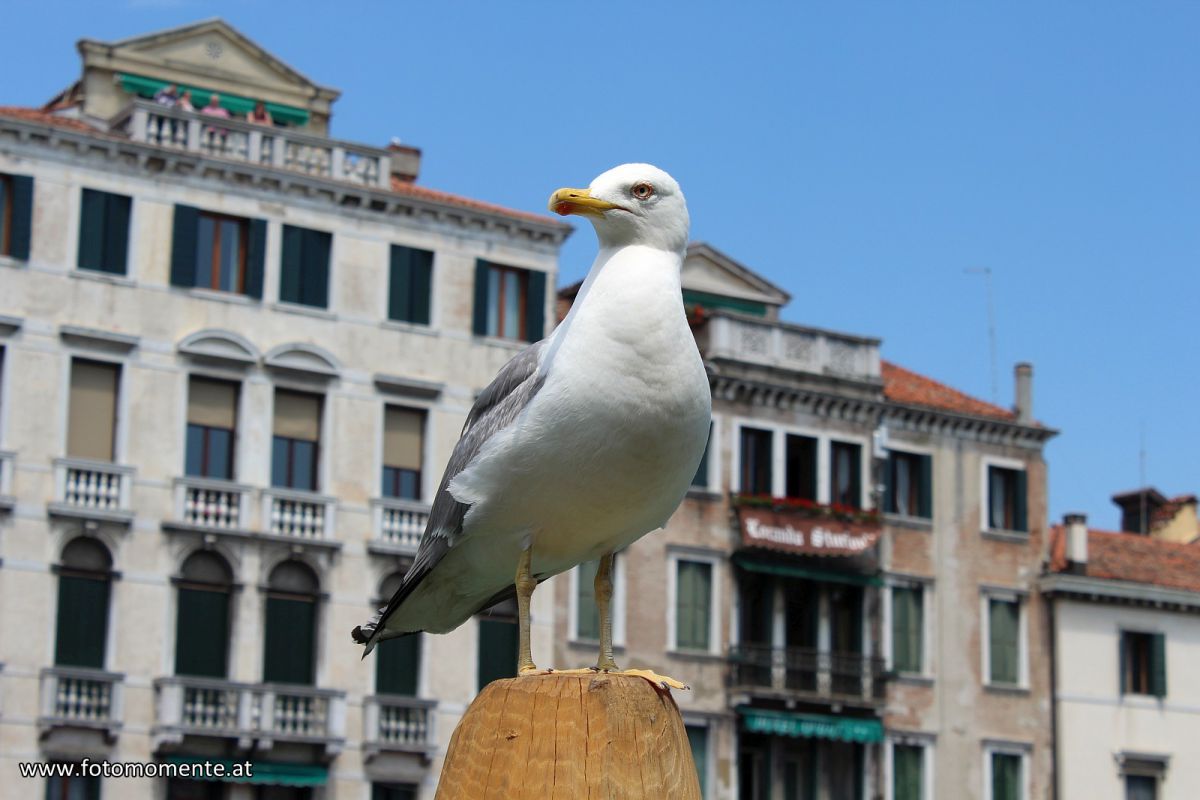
pixel 584 442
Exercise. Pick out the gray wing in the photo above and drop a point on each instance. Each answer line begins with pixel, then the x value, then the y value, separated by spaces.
pixel 495 408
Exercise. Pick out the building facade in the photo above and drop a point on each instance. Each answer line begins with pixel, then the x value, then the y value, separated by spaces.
pixel 234 357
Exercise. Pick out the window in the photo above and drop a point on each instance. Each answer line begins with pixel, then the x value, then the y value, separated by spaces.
pixel 403 450
pixel 693 604
pixel 845 474
pixel 304 276
pixel 587 615
pixel 907 629
pixel 1141 787
pixel 698 739
pixel 202 618
pixel 219 252
pixel 393 791
pixel 16 215
pixel 801 467
pixel 1006 491
pixel 289 646
pixel 410 285
pixel 700 480
pixel 1004 641
pixel 909 485
pixel 103 231
pixel 1143 663
pixel 509 302
pixel 92 417
pixel 211 424
pixel 498 643
pixel 76 787
pixel 1007 780
pixel 81 630
pixel 755 460
pixel 397 661
pixel 186 789
pixel 294 447
pixel 908 772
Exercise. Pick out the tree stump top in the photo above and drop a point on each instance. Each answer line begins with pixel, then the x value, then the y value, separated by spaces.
pixel 602 736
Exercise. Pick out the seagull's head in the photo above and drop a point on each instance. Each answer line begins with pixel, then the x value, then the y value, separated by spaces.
pixel 633 204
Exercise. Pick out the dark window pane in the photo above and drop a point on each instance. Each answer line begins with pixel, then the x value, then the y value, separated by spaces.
pixel 74 788
pixel 202 633
pixel 498 641
pixel 279 461
pixel 205 236
pixel 1004 641
pixel 755 461
pixel 1141 787
pixel 845 474
pixel 908 766
pixel 304 465
pixel 229 261
pixel 220 454
pixel 698 739
pixel 907 625
pixel 693 605
pixel 587 615
pixel 194 458
pixel 401 483
pixel 393 791
pixel 288 647
pixel 801 467
pixel 1006 777
pixel 397 665
pixel 82 621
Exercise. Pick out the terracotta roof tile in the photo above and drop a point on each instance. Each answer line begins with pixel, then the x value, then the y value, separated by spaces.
pixel 1133 558
pixel 45 117
pixel 905 386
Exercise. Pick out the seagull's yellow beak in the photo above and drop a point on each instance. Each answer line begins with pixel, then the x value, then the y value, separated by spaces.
pixel 579 201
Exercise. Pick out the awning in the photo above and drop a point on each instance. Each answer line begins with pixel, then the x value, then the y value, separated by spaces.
pixel 267 773
pixel 811 726
pixel 235 104
pixel 773 567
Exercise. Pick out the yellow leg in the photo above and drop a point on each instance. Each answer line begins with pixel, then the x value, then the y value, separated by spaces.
pixel 604 591
pixel 525 584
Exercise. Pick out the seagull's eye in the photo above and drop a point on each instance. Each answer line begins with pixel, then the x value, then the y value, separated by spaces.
pixel 642 191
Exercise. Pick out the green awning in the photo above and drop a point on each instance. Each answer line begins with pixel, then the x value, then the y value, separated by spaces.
pixel 267 773
pixel 787 570
pixel 811 726
pixel 235 104
pixel 694 298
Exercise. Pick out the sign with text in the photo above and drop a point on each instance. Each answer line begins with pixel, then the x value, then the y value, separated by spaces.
pixel 814 536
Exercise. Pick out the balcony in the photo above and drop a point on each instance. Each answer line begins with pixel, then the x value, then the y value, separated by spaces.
pixel 398 724
pixel 797 673
pixel 212 505
pixel 74 697
pixel 7 500
pixel 398 525
pixel 792 347
pixel 299 515
pixel 94 490
pixel 264 145
pixel 252 714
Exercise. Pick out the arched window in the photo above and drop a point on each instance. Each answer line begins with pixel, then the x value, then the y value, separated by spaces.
pixel 498 642
pixel 397 661
pixel 202 619
pixel 289 647
pixel 83 593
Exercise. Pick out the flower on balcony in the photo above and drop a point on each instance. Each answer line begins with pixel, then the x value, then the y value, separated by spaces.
pixel 808 508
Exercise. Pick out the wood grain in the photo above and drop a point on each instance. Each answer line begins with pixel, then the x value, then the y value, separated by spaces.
pixel 570 737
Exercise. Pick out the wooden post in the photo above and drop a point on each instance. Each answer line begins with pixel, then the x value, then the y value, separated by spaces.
pixel 575 737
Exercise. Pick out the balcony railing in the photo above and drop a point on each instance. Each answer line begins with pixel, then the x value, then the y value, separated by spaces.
pixel 210 707
pixel 7 460
pixel 92 488
pixel 282 148
pixel 391 722
pixel 80 698
pixel 792 347
pixel 399 524
pixel 300 515
pixel 804 673
pixel 217 505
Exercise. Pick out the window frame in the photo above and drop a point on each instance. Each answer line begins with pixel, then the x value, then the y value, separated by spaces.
pixel 121 419
pixel 1019 749
pixel 696 721
pixel 926 587
pixel 6 214
pixel 674 556
pixel 912 451
pixel 779 463
pixel 927 743
pixel 243 224
pixel 1151 668
pixel 319 467
pixel 985 494
pixel 522 276
pixel 864 458
pixel 618 606
pixel 985 639
pixel 387 297
pixel 712 460
pixel 423 474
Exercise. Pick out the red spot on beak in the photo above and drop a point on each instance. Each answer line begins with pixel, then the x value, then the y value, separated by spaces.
pixel 562 208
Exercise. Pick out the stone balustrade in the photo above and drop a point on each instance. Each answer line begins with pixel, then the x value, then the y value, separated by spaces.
pixel 399 524
pixel 212 504
pixel 92 489
pixel 791 347
pixel 80 698
pixel 296 514
pixel 392 722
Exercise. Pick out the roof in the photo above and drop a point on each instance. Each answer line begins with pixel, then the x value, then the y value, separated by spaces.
pixel 1132 558
pixel 398 186
pixel 904 386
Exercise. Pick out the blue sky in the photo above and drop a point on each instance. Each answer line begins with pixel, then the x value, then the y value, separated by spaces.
pixel 862 155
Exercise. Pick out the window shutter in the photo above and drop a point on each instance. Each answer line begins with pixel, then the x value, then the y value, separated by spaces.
pixel 22 216
pixel 403 437
pixel 701 477
pixel 916 624
pixel 422 287
pixel 1158 665
pixel 479 317
pixel 925 487
pixel 587 621
pixel 397 665
pixel 856 475
pixel 1004 624
pixel 497 650
pixel 535 306
pixel 684 610
pixel 183 246
pixel 1021 523
pixel 315 283
pixel 288 644
pixel 1123 663
pixel 82 625
pixel 889 484
pixel 91 230
pixel 290 272
pixel 116 233
pixel 698 739
pixel 901 609
pixel 202 633
pixel 256 258
pixel 92 412
pixel 399 287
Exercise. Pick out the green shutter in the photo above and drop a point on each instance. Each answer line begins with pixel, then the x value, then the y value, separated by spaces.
pixel 183 246
pixel 256 258
pixel 290 272
pixel 701 477
pixel 1158 665
pixel 422 287
pixel 907 772
pixel 21 231
pixel 480 311
pixel 82 625
pixel 906 629
pixel 1006 776
pixel 587 616
pixel 1004 647
pixel 498 643
pixel 925 487
pixel 1123 663
pixel 116 232
pixel 400 284
pixel 288 646
pixel 1020 501
pixel 693 590
pixel 535 306
pixel 315 259
pixel 202 633
pixel 397 665
pixel 698 739
pixel 91 230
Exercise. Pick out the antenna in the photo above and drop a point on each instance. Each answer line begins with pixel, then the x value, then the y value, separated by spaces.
pixel 986 272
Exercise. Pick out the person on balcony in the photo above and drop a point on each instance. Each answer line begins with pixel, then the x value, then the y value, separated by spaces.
pixel 167 96
pixel 215 139
pixel 214 109
pixel 185 101
pixel 260 115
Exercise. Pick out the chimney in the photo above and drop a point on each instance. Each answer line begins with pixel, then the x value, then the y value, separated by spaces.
pixel 405 161
pixel 1077 543
pixel 1024 386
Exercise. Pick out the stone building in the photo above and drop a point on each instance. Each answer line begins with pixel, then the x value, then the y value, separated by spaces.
pixel 234 358
pixel 848 586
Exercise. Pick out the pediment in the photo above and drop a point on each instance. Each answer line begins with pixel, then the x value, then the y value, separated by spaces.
pixel 706 269
pixel 218 345
pixel 304 358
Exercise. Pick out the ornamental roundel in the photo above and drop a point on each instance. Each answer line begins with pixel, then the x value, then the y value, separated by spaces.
pixel 214 49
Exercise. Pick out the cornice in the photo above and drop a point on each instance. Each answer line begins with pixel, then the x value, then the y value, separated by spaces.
pixel 1105 590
